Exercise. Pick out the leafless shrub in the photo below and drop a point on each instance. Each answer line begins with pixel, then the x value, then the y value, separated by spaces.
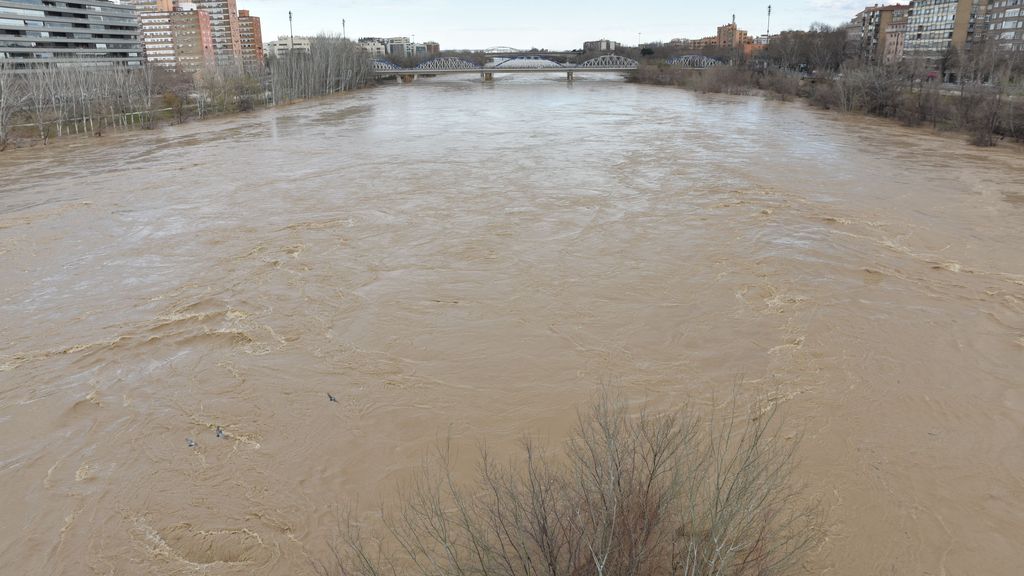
pixel 780 84
pixel 1011 121
pixel 649 495
pixel 725 80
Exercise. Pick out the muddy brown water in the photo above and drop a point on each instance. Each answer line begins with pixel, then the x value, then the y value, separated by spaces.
pixel 451 257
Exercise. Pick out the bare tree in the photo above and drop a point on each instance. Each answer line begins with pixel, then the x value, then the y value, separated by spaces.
pixel 12 98
pixel 649 495
pixel 332 65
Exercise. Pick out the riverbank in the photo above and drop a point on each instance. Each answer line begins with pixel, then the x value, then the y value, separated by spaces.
pixel 25 135
pixel 986 115
pixel 39 104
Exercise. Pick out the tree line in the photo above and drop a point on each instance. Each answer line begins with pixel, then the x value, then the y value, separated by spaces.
pixel 980 91
pixel 46 102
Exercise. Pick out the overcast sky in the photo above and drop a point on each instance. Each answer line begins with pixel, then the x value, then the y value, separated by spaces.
pixel 548 24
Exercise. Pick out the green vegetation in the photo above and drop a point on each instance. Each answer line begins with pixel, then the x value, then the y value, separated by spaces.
pixel 626 496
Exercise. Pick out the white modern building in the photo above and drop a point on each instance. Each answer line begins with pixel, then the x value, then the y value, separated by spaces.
pixel 94 32
pixel 285 45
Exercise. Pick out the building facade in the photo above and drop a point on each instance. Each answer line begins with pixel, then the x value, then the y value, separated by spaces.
pixel 374 46
pixel 895 36
pixel 152 5
pixel 601 45
pixel 874 23
pixel 227 41
pixel 729 36
pixel 179 39
pixel 1006 25
pixel 399 46
pixel 935 26
pixel 286 45
pixel 86 32
pixel 193 39
pixel 158 38
pixel 250 33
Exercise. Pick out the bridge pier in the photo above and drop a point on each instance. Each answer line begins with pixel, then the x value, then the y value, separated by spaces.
pixel 487 76
pixel 408 78
pixel 569 76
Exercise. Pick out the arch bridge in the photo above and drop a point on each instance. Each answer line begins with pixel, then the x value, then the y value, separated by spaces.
pixel 454 65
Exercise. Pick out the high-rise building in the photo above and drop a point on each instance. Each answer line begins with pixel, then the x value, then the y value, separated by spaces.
pixel 935 26
pixel 874 23
pixel 1006 24
pixel 158 38
pixel 227 42
pixel 93 32
pixel 193 38
pixel 178 39
pixel 895 36
pixel 250 34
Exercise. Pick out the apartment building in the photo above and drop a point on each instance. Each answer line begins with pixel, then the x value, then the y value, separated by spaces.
pixel 56 33
pixel 376 47
pixel 935 26
pixel 250 34
pixel 874 23
pixel 602 45
pixel 224 27
pixel 158 38
pixel 178 39
pixel 1006 24
pixel 286 45
pixel 727 37
pixel 895 37
pixel 193 39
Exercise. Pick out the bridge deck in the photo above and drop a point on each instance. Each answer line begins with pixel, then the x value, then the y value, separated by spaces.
pixel 501 70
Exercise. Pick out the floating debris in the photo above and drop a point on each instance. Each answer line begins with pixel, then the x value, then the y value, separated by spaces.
pixel 331 397
pixel 191 443
pixel 220 432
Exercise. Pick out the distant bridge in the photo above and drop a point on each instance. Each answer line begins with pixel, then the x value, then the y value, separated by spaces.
pixel 694 61
pixel 453 65
pixel 531 65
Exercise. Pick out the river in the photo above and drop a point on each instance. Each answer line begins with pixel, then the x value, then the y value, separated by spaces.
pixel 450 257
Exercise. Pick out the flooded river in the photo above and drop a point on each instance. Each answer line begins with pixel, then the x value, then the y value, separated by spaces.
pixel 452 257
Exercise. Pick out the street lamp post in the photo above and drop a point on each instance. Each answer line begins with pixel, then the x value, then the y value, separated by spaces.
pixel 291 32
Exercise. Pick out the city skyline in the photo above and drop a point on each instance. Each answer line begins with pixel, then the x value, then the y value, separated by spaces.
pixel 458 24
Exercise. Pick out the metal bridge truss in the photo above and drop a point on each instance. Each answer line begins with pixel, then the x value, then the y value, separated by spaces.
pixel 610 61
pixel 697 61
pixel 384 65
pixel 447 63
pixel 453 64
pixel 527 63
